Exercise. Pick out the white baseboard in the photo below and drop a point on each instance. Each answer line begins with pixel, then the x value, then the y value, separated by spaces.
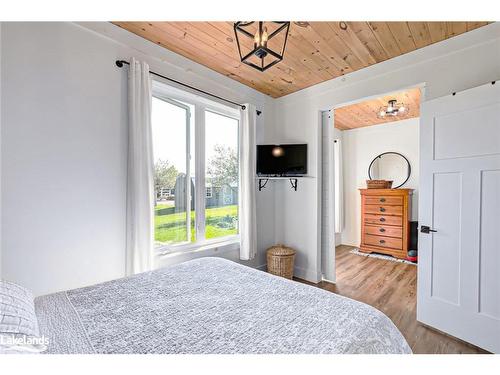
pixel 299 272
pixel 306 274
pixel 328 281
pixel 262 267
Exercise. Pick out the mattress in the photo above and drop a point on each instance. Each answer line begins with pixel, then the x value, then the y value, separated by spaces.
pixel 212 306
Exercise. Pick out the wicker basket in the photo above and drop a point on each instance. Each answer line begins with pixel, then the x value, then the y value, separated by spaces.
pixel 378 184
pixel 280 260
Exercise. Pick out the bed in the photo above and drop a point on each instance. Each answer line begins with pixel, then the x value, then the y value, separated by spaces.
pixel 211 306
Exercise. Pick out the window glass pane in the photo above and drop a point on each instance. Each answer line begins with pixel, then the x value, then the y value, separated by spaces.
pixel 174 210
pixel 221 175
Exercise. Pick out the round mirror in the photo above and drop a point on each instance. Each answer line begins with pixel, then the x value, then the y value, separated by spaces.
pixel 390 166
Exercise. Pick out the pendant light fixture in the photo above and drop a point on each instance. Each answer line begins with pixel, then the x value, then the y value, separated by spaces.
pixel 393 109
pixel 261 44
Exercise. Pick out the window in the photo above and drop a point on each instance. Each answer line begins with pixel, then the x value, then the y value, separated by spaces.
pixel 195 147
pixel 208 193
pixel 222 172
pixel 172 148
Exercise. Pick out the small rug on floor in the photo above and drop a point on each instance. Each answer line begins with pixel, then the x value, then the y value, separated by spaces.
pixel 381 256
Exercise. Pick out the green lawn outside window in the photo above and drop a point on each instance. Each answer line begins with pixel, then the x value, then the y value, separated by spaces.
pixel 170 226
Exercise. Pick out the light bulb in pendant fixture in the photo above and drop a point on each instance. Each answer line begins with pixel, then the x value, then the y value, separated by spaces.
pixel 256 39
pixel 264 38
pixel 260 40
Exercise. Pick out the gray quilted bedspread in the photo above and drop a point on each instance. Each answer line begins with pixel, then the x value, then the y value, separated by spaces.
pixel 212 305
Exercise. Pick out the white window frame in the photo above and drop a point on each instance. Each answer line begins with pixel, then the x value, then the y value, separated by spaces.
pixel 173 95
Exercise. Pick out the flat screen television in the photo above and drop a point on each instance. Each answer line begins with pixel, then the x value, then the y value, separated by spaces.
pixel 282 160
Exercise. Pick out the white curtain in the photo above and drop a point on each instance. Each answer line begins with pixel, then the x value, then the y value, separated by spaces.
pixel 247 214
pixel 140 188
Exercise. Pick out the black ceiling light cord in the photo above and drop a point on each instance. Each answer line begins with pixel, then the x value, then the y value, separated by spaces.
pixel 120 63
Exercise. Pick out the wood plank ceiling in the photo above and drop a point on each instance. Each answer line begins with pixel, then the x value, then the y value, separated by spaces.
pixel 315 52
pixel 363 114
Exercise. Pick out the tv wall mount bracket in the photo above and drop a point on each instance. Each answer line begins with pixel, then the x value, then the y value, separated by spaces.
pixel 263 182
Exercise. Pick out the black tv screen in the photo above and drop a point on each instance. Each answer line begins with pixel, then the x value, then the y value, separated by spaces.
pixel 282 160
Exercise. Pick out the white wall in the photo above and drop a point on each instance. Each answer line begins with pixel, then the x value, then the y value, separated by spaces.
pixel 359 147
pixel 461 62
pixel 64 147
pixel 0 149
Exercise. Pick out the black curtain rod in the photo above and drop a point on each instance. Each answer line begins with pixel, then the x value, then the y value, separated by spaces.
pixel 119 63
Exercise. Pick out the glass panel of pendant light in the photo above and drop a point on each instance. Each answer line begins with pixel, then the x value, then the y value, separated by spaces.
pixel 393 109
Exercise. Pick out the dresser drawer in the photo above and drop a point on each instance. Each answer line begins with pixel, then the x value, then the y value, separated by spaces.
pixel 382 219
pixel 386 200
pixel 393 243
pixel 383 210
pixel 381 230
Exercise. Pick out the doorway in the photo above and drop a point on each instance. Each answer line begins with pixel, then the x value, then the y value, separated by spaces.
pixel 359 143
pixel 455 279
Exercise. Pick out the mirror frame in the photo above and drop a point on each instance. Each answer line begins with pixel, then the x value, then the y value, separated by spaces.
pixel 395 153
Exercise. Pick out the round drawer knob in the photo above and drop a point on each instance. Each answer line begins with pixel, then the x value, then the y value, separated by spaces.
pixel 382 241
pixel 382 209
pixel 382 199
pixel 382 219
pixel 382 230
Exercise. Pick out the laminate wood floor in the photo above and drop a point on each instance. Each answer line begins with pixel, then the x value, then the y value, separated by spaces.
pixel 391 287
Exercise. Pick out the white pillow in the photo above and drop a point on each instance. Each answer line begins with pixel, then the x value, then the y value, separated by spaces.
pixel 19 331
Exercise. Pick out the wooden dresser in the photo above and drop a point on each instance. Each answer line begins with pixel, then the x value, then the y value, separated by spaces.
pixel 385 221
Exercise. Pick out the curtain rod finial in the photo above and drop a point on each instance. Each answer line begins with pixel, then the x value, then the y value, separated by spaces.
pixel 119 63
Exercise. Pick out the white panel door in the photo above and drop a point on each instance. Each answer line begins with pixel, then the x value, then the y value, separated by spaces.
pixel 459 257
